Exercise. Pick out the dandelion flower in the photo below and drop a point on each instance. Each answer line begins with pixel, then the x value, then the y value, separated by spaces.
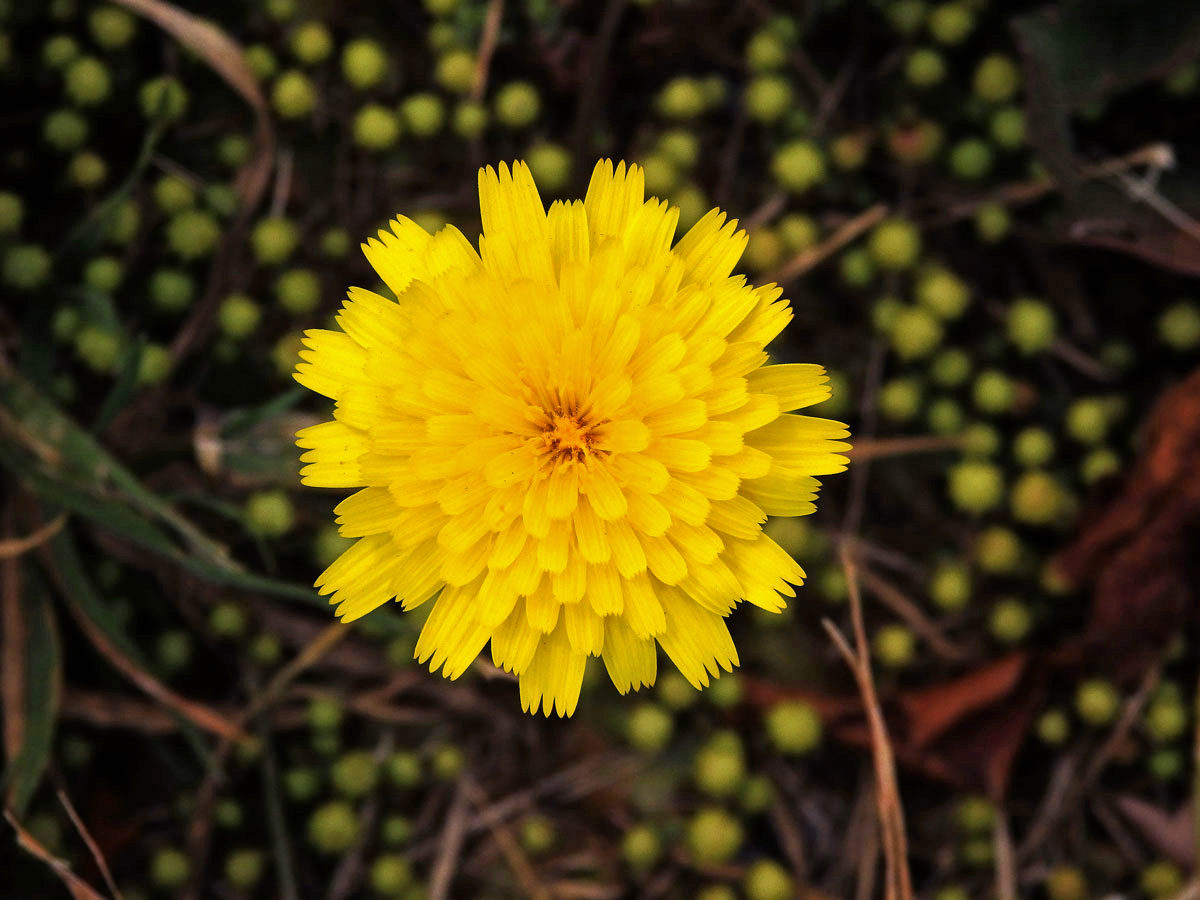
pixel 568 442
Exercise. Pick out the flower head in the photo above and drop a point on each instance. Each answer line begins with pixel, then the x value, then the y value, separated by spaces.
pixel 567 442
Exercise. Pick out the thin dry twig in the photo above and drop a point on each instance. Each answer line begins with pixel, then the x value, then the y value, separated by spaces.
pixel 880 448
pixel 814 256
pixel 330 637
pixel 1158 155
pixel 347 877
pixel 197 713
pixel 1071 780
pixel 768 210
pixel 450 845
pixel 790 840
pixel 487 47
pixel 76 886
pixel 11 548
pixel 90 843
pixel 1131 714
pixel 1196 781
pixel 574 782
pixel 531 885
pixel 1006 869
pixel 593 78
pixel 889 806
pixel 896 600
pixel 1049 811
pixel 283 184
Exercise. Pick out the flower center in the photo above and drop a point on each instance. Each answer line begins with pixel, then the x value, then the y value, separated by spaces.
pixel 567 437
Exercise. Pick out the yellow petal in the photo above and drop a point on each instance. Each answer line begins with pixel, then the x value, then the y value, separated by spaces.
pixel 613 196
pixel 514 642
pixel 554 678
pixel 370 511
pixel 794 385
pixel 334 451
pixel 631 661
pixel 696 639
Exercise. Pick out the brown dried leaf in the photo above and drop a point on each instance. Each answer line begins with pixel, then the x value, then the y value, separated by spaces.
pixel 1173 834
pixel 1137 555
pixel 225 57
pixel 930 712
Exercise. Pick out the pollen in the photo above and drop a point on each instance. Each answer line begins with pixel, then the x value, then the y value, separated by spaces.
pixel 568 437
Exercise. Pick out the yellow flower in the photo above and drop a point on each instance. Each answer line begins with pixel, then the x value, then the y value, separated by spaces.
pixel 569 438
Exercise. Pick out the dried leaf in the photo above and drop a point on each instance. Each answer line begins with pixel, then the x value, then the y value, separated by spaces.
pixel 225 56
pixel 1172 834
pixel 1138 555
pixel 930 712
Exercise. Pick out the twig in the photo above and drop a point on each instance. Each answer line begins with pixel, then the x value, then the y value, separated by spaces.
pixel 1077 359
pixel 768 210
pixel 93 847
pixel 200 715
pixel 1196 782
pixel 1130 714
pixel 1158 155
pixel 487 47
pixel 889 806
pixel 1006 870
pixel 574 782
pixel 1063 350
pixel 330 637
pixel 347 877
pixel 1065 788
pixel 868 550
pixel 450 845
pixel 1144 192
pixel 1049 811
pixel 10 548
pixel 531 885
pixel 895 600
pixel 868 858
pixel 283 184
pixel 593 78
pixel 115 711
pixel 281 847
pixel 814 256
pixel 790 840
pixel 868 418
pixel 809 72
pixel 832 95
pixel 76 886
pixel 879 448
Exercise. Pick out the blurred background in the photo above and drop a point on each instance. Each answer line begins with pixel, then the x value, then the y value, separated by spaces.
pixel 983 213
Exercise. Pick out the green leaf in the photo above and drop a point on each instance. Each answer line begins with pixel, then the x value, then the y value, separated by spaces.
pixel 243 420
pixel 42 672
pixel 66 466
pixel 123 388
